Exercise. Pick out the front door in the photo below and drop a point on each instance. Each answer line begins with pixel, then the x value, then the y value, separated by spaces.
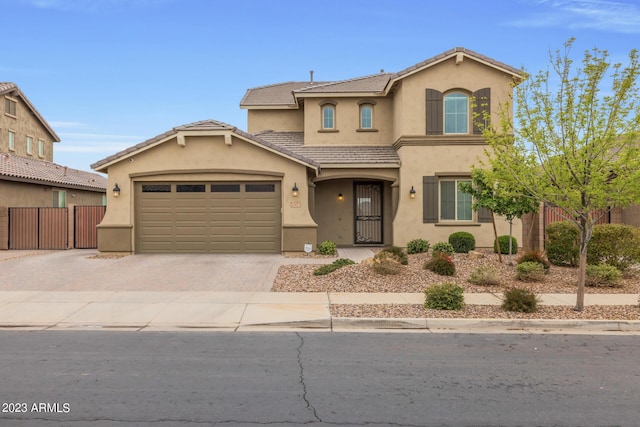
pixel 368 212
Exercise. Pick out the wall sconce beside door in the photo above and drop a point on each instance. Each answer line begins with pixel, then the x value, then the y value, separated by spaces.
pixel 340 197
pixel 116 190
pixel 294 190
pixel 412 193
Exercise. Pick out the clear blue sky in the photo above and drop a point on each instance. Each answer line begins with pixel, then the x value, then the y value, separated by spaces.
pixel 108 74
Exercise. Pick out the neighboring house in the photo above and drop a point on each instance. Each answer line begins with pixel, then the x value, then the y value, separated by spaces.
pixel 28 176
pixel 374 160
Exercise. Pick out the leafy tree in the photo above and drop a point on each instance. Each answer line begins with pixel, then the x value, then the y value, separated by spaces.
pixel 503 198
pixel 576 147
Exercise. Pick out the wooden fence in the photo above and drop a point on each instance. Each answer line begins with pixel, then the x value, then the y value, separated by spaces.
pixel 49 228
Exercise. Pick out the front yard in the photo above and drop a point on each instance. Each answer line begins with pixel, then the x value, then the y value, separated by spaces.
pixel 414 278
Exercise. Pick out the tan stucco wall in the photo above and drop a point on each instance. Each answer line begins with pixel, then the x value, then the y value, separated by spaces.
pixel 278 120
pixel 419 161
pixel 206 158
pixel 409 103
pixel 20 194
pixel 347 122
pixel 23 124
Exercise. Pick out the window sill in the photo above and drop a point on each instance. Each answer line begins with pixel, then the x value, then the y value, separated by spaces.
pixel 13 116
pixel 458 224
pixel 328 131
pixel 366 130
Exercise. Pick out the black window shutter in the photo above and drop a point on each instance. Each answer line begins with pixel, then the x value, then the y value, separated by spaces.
pixel 430 199
pixel 434 112
pixel 482 105
pixel 484 215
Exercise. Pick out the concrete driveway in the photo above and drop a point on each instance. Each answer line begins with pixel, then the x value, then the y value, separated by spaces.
pixel 80 270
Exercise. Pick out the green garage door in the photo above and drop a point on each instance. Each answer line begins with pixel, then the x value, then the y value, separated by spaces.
pixel 209 217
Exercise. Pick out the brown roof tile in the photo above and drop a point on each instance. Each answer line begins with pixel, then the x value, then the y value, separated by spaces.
pixel 204 125
pixel 17 168
pixel 275 94
pixel 373 83
pixel 357 154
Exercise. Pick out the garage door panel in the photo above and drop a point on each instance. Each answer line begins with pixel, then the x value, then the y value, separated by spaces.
pixel 208 217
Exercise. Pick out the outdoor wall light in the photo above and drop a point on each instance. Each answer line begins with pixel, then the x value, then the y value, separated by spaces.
pixel 116 190
pixel 294 190
pixel 412 193
pixel 340 197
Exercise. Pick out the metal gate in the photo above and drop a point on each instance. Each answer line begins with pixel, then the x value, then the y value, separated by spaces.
pixel 38 228
pixel 85 220
pixel 368 212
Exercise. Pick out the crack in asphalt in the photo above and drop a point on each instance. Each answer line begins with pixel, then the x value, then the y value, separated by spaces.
pixel 304 386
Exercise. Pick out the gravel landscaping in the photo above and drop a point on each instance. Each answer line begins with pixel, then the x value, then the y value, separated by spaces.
pixel 414 278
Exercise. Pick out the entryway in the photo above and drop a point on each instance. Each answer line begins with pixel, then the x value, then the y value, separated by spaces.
pixel 368 213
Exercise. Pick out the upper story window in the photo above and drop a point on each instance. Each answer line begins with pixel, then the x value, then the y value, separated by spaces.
pixel 10 106
pixel 328 117
pixel 12 140
pixel 40 148
pixel 366 116
pixel 29 145
pixel 456 113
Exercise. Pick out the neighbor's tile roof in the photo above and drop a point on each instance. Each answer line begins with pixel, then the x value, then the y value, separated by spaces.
pixel 204 125
pixel 14 90
pixel 356 154
pixel 284 93
pixel 26 169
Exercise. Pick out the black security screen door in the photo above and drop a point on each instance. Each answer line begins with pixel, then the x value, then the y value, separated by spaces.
pixel 368 213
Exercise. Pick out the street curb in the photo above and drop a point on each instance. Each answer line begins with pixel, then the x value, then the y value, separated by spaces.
pixel 496 324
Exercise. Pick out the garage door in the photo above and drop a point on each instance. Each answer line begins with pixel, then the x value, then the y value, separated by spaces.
pixel 212 217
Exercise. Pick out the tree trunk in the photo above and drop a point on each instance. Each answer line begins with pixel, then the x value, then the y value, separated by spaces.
pixel 510 242
pixel 495 233
pixel 586 231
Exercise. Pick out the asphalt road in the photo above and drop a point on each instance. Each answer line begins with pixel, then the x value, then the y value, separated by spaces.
pixel 287 379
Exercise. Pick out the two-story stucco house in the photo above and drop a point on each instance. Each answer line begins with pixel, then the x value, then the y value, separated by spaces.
pixel 28 176
pixel 373 160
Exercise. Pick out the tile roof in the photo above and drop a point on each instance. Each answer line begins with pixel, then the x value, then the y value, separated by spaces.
pixel 9 88
pixel 204 125
pixel 275 94
pixel 284 94
pixel 355 154
pixel 17 168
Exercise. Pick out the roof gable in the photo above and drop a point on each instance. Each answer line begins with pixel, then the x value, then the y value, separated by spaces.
pixel 11 89
pixel 204 127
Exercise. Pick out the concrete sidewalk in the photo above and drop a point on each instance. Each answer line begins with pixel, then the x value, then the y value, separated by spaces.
pixel 233 311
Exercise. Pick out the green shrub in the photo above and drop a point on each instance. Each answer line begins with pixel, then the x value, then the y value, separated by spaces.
pixel 520 300
pixel 562 245
pixel 398 253
pixel 462 242
pixel 485 276
pixel 442 247
pixel 446 296
pixel 386 263
pixel 602 275
pixel 534 256
pixel 614 244
pixel 441 264
pixel 329 268
pixel 504 245
pixel 418 246
pixel 530 272
pixel 327 248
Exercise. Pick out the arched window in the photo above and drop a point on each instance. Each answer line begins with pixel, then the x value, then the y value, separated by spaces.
pixel 328 116
pixel 366 116
pixel 456 113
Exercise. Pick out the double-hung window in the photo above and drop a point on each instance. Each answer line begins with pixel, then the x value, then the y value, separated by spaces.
pixel 455 204
pixel 40 148
pixel 12 140
pixel 328 117
pixel 366 116
pixel 456 113
pixel 29 145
